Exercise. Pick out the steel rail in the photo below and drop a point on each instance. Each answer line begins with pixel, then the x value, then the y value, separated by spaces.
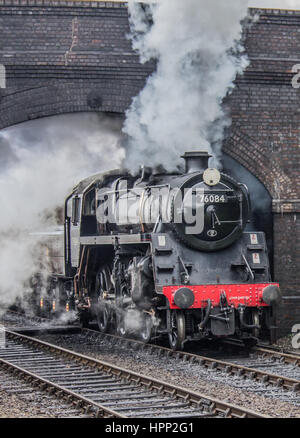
pixel 58 390
pixel 225 366
pixel 230 368
pixel 194 399
pixel 288 358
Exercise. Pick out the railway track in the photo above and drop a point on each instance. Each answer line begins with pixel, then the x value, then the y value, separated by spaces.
pixel 34 325
pixel 255 371
pixel 105 390
pixel 16 317
pixel 277 354
pixel 21 320
pixel 272 369
pixel 19 398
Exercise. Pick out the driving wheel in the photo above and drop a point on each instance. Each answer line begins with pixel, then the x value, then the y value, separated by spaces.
pixel 146 329
pixel 103 287
pixel 177 330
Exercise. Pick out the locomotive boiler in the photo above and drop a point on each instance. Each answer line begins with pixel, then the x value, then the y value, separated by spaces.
pixel 166 254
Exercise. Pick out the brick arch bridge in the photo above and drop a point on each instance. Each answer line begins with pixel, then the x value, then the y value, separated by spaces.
pixel 70 56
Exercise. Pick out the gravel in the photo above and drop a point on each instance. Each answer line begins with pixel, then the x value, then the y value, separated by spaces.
pixel 20 400
pixel 285 344
pixel 235 390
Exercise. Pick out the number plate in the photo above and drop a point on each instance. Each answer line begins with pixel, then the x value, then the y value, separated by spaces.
pixel 212 198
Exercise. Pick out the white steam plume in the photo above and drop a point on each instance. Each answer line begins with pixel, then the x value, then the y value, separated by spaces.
pixel 40 162
pixel 196 45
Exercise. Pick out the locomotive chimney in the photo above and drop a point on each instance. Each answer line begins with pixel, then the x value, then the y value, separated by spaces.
pixel 196 161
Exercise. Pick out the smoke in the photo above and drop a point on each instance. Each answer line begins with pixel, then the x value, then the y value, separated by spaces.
pixel 197 48
pixel 135 321
pixel 40 163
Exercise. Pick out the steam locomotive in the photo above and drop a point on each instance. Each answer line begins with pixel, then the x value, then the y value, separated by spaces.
pixel 164 254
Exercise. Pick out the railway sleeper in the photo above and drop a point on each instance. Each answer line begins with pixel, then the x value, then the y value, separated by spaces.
pixel 154 408
pixel 135 402
pixel 173 414
pixel 120 398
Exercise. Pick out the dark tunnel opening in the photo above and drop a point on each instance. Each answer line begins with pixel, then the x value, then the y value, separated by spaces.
pixel 261 201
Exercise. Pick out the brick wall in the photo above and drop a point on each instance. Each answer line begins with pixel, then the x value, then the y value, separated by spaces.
pixel 63 59
pixel 64 56
pixel 265 138
pixel 286 266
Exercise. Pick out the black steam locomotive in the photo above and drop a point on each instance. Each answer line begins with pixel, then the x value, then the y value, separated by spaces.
pixel 165 254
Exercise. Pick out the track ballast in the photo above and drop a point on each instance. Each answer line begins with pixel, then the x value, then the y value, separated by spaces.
pixel 105 389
